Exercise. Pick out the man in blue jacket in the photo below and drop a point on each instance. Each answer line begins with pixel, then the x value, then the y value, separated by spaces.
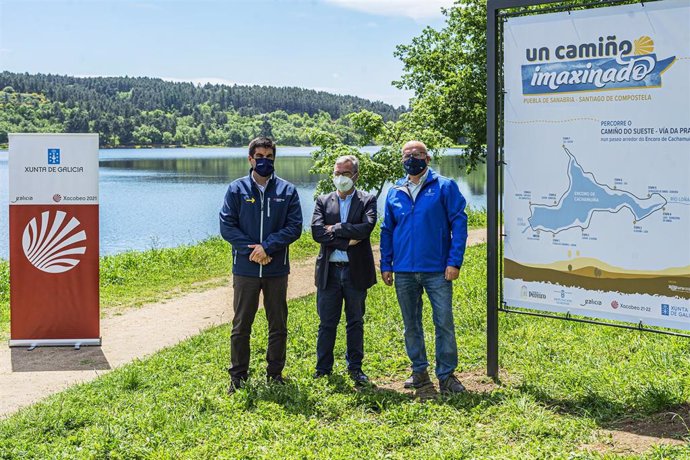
pixel 423 239
pixel 260 218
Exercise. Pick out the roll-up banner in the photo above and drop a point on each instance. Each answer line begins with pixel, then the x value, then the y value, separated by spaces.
pixel 597 146
pixel 53 187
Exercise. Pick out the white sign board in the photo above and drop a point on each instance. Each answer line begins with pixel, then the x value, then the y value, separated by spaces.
pixel 597 146
pixel 59 174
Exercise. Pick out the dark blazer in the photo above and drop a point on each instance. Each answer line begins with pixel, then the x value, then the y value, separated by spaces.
pixel 361 220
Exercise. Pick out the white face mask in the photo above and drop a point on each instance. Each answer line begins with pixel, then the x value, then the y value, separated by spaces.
pixel 343 183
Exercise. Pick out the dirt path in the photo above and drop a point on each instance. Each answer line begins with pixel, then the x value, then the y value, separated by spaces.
pixel 28 376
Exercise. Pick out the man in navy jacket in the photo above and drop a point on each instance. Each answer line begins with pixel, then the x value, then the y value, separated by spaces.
pixel 260 218
pixel 423 239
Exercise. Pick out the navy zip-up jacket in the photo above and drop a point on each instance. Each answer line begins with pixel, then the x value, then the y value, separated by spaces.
pixel 272 218
pixel 428 234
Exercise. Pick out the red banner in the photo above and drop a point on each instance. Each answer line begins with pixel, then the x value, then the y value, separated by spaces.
pixel 54 272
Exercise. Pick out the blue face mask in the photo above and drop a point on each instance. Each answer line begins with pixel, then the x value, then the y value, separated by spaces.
pixel 264 167
pixel 414 166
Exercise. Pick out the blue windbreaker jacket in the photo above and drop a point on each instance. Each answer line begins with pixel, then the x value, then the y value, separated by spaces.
pixel 272 218
pixel 426 235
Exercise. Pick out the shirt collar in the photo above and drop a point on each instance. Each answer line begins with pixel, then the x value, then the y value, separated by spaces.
pixel 421 179
pixel 251 175
pixel 347 198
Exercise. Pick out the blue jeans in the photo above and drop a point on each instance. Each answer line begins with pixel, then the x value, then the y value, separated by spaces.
pixel 409 288
pixel 329 303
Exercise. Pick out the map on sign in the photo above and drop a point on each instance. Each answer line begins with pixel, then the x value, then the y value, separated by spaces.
pixel 585 197
pixel 569 228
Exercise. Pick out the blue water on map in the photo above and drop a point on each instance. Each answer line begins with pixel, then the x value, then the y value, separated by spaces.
pixel 584 197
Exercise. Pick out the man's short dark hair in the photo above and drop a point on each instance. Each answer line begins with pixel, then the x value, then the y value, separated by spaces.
pixel 264 142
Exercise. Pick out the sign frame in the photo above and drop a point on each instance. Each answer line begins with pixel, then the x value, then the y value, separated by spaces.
pixel 497 12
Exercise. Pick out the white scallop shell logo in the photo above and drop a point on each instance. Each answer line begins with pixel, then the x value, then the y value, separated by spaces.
pixel 52 245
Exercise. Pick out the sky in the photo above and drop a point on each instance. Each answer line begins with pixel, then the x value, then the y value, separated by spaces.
pixel 339 46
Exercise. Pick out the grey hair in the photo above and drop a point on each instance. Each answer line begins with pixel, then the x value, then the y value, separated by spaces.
pixel 352 159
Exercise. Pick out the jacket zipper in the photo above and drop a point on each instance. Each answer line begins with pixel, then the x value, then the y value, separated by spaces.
pixel 414 201
pixel 414 250
pixel 261 229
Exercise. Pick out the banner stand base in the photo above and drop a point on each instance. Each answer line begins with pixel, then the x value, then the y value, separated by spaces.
pixel 76 343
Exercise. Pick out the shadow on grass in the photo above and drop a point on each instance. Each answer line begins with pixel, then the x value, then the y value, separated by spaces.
pixel 305 398
pixel 660 417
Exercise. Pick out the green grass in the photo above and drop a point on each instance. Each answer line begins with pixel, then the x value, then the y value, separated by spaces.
pixel 134 278
pixel 563 382
pixel 4 297
pixel 476 217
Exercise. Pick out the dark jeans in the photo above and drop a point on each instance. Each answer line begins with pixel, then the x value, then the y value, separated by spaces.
pixel 246 303
pixel 329 304
pixel 409 288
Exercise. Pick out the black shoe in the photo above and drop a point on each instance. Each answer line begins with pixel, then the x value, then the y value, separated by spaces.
pixel 235 384
pixel 275 379
pixel 319 374
pixel 451 385
pixel 417 380
pixel 359 377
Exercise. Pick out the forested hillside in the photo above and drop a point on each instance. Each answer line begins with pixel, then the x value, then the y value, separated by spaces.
pixel 149 111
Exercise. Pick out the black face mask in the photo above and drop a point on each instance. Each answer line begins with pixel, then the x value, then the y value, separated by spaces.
pixel 264 167
pixel 414 166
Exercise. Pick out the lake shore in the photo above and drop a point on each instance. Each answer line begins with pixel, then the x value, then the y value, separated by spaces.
pixel 154 198
pixel 134 278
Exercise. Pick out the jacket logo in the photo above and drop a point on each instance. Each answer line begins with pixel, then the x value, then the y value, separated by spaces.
pixel 249 200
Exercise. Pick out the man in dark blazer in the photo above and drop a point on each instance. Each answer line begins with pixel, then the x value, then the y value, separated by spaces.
pixel 342 223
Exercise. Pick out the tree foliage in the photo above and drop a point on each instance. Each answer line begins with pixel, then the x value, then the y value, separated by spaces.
pixel 384 165
pixel 149 111
pixel 446 69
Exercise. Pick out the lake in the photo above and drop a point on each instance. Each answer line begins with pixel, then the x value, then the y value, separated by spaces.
pixel 168 197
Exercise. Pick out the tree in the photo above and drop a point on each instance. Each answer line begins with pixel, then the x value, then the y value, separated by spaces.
pixel 203 136
pixel 147 134
pixel 446 69
pixel 266 128
pixel 384 165
pixel 168 138
pixel 77 121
